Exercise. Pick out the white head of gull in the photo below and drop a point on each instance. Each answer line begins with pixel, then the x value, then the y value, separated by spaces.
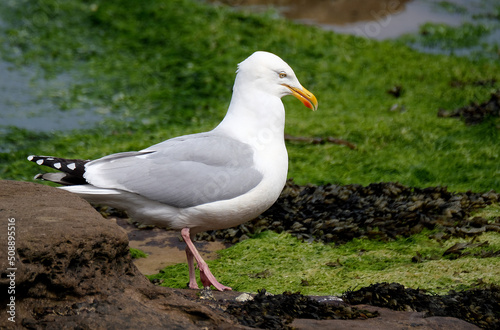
pixel 205 181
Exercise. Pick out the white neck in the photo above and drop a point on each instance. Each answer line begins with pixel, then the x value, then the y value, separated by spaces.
pixel 254 117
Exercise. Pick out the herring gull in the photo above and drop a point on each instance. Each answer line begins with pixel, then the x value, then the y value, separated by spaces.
pixel 204 181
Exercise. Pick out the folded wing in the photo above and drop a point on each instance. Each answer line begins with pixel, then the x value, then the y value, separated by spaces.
pixel 181 172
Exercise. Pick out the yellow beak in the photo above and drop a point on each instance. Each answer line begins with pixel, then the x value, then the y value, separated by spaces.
pixel 305 97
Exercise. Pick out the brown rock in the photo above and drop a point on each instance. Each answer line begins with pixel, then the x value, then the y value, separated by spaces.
pixel 72 268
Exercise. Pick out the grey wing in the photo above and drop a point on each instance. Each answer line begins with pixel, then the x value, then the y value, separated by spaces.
pixel 181 172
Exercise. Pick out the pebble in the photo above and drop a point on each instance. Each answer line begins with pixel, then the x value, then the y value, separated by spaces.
pixel 244 297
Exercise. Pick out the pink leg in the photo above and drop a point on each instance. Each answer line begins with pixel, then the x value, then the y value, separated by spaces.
pixel 192 275
pixel 206 276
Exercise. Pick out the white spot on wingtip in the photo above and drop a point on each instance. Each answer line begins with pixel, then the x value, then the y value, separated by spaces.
pixel 39 162
pixel 71 166
pixel 30 158
pixel 57 165
pixel 50 158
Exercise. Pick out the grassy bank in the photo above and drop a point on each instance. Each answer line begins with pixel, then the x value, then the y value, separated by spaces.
pixel 164 68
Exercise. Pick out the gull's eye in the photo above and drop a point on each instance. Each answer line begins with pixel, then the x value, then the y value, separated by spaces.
pixel 282 74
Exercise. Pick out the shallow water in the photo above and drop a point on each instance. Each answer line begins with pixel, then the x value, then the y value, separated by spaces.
pixel 23 104
pixel 376 19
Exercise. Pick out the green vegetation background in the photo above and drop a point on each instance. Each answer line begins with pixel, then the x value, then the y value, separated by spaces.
pixel 159 69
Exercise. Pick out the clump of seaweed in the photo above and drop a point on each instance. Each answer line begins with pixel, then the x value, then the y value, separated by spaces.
pixel 384 211
pixel 476 113
pixel 480 306
pixel 278 311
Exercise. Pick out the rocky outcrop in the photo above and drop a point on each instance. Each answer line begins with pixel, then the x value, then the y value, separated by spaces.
pixel 73 268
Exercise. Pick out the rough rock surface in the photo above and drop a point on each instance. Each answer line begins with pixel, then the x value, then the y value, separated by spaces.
pixel 73 270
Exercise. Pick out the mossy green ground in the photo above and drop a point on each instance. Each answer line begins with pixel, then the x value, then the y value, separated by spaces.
pixel 162 68
pixel 280 262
